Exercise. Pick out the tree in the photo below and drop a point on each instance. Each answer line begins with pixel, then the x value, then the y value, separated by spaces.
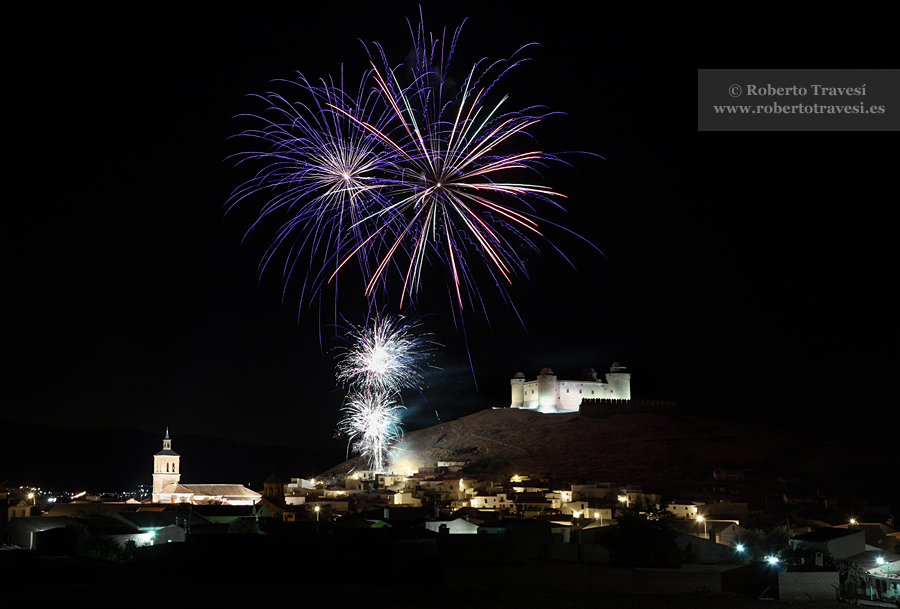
pixel 806 556
pixel 778 538
pixel 243 526
pixel 644 540
pixel 851 572
pixel 759 543
pixel 128 552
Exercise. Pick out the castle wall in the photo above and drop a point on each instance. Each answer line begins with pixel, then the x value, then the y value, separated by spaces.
pixel 547 394
pixel 564 395
pixel 571 393
pixel 530 395
pixel 603 407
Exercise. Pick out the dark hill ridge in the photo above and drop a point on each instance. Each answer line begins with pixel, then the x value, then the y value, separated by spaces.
pixel 655 450
pixel 118 460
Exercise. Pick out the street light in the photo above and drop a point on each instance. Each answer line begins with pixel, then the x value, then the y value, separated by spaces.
pixel 701 519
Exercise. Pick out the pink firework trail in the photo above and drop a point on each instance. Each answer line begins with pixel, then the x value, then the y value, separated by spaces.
pixel 410 174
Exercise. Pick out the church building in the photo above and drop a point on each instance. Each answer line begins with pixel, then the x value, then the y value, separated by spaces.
pixel 167 486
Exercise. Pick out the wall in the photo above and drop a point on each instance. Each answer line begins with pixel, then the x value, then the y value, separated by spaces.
pixel 547 394
pixel 800 586
pixel 603 407
pixel 840 547
pixel 849 545
pixel 571 393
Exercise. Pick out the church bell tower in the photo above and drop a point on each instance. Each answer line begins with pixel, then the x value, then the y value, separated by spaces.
pixel 166 467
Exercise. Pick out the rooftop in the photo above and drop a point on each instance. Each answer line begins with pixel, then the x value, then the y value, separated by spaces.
pixel 826 534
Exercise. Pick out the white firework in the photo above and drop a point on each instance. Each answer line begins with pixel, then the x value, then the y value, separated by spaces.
pixel 386 355
pixel 372 423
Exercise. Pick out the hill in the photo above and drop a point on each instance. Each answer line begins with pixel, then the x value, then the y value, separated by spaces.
pixel 656 450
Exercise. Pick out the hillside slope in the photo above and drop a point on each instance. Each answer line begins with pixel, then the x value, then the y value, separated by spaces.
pixel 656 450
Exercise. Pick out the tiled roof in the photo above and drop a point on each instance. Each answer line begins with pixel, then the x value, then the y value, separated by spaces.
pixel 222 490
pixel 175 488
pixel 43 523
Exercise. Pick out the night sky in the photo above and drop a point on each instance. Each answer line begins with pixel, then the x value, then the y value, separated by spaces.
pixel 746 280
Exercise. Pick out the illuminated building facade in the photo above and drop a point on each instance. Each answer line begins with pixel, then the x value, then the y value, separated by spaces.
pixel 167 486
pixel 547 394
pixel 166 468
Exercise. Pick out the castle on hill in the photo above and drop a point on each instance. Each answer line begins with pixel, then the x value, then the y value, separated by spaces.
pixel 167 487
pixel 588 396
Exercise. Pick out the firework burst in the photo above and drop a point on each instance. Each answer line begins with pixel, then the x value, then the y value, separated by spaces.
pixel 453 196
pixel 323 175
pixel 413 172
pixel 372 423
pixel 381 359
pixel 386 354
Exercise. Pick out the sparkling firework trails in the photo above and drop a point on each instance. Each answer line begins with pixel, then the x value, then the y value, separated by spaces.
pixel 372 423
pixel 446 144
pixel 386 355
pixel 322 171
pixel 382 359
pixel 415 172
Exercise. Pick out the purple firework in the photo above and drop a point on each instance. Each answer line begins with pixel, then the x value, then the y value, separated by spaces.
pixel 412 174
pixel 321 173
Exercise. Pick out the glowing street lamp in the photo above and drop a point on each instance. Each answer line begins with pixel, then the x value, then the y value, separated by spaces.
pixel 703 520
pixel 881 561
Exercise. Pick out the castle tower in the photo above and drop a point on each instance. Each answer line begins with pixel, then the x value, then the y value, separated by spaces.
pixel 518 390
pixel 546 385
pixel 166 467
pixel 619 382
